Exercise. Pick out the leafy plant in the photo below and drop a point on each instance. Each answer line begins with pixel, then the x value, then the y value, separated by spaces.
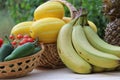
pixel 22 10
pixel 95 14
pixel 2 4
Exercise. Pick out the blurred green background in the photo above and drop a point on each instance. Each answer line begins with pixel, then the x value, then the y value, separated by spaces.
pixel 15 11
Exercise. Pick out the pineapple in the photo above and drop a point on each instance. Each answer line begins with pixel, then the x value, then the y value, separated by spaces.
pixel 111 9
pixel 112 32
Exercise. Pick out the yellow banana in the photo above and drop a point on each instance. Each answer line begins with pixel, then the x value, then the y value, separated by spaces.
pixel 92 25
pixel 67 19
pixel 109 69
pixel 100 44
pixel 89 53
pixel 67 53
pixel 98 69
pixel 117 69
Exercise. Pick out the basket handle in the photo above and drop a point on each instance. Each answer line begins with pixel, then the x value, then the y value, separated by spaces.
pixel 72 9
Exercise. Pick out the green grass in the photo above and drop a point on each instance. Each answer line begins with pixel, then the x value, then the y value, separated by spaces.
pixel 6 23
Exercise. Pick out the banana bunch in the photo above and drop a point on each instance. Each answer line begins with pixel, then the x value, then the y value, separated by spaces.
pixel 83 51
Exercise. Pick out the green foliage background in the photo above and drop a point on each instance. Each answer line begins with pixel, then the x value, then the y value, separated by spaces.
pixel 22 10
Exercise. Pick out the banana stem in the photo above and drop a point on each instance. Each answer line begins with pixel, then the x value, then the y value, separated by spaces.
pixel 83 18
pixel 36 41
pixel 85 22
pixel 76 21
pixel 73 22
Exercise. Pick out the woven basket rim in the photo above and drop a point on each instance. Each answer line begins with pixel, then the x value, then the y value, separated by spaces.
pixel 27 57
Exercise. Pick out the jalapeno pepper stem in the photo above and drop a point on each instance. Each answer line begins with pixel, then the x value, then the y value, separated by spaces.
pixel 36 41
pixel 6 37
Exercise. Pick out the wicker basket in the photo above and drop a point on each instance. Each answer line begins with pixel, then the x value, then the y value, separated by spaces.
pixel 19 67
pixel 50 57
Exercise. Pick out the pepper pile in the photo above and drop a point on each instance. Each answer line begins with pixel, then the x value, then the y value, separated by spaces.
pixel 19 47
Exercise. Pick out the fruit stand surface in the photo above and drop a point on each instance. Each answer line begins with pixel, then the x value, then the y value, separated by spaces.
pixel 66 74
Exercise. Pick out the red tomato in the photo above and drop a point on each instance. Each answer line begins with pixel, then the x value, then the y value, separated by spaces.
pixel 26 36
pixel 23 41
pixel 30 39
pixel 11 37
pixel 19 36
pixel 14 42
pixel 1 42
